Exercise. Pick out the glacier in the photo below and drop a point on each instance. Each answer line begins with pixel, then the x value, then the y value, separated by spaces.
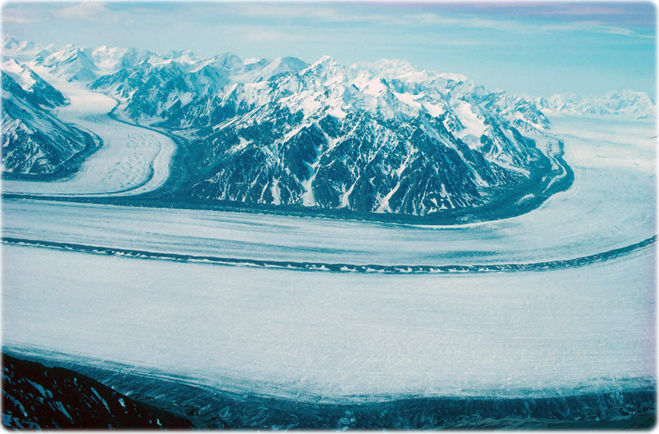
pixel 340 336
pixel 623 167
pixel 133 160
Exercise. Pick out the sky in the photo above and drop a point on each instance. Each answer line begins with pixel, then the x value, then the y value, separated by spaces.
pixel 539 48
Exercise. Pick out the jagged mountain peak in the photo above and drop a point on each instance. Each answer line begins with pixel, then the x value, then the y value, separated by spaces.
pixel 181 57
pixel 326 71
pixel 228 62
pixel 324 59
pixel 109 58
pixel 20 72
pixel 290 62
pixel 265 69
pixel 324 63
pixel 70 63
pixel 12 64
pixel 71 52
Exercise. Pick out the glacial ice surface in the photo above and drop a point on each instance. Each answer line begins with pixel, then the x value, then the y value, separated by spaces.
pixel 133 160
pixel 337 336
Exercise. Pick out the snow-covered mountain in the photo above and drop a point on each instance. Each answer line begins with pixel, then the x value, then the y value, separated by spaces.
pixel 39 91
pixel 34 141
pixel 21 50
pixel 156 88
pixel 70 63
pixel 110 59
pixel 625 103
pixel 13 45
pixel 379 137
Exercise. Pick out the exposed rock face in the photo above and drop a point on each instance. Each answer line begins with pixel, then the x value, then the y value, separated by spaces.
pixel 37 397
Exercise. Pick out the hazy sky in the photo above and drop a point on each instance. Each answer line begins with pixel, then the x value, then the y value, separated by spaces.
pixel 532 48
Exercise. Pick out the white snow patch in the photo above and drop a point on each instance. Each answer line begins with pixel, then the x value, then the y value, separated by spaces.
pixel 472 123
pixel 409 99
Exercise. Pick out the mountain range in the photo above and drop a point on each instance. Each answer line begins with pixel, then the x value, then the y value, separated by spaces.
pixel 380 137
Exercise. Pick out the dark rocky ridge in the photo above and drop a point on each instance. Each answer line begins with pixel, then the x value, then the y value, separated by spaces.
pixel 37 397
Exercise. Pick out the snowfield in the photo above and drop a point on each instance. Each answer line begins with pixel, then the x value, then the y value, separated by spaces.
pixel 133 160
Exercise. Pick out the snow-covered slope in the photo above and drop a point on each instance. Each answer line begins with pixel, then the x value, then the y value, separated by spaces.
pixel 70 63
pixel 39 91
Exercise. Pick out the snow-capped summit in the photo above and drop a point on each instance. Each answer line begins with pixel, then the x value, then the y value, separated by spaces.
pixel 326 70
pixel 185 59
pixel 111 59
pixel 70 63
pixel 20 73
pixel 226 64
pixel 264 69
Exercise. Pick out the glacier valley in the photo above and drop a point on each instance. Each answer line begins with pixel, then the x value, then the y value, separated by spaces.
pixel 347 246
